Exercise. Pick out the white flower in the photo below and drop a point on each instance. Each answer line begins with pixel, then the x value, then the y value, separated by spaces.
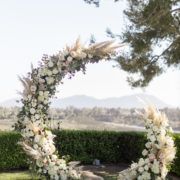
pixel 50 64
pixel 155 129
pixel 61 57
pixel 145 152
pixel 29 97
pixel 54 157
pixel 141 162
pixel 46 94
pixel 155 167
pixel 35 146
pixel 32 111
pixel 73 54
pixel 151 157
pixel 55 71
pixel 140 178
pixel 69 58
pixel 140 169
pixel 146 167
pixel 37 116
pixel 49 73
pixel 152 138
pixel 33 104
pixel 50 80
pixel 46 101
pixel 146 176
pixel 37 138
pixel 39 163
pixel 134 165
pixel 41 98
pixel 148 145
pixel 41 80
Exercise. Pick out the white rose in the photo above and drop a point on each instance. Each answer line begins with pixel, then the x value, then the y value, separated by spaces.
pixel 155 167
pixel 41 98
pixel 155 129
pixel 69 58
pixel 141 162
pixel 55 71
pixel 148 145
pixel 146 176
pixel 61 57
pixel 29 97
pixel 46 94
pixel 46 101
pixel 39 163
pixel 140 178
pixel 32 111
pixel 37 116
pixel 141 169
pixel 152 138
pixel 35 146
pixel 49 73
pixel 54 157
pixel 151 157
pixel 50 64
pixel 134 165
pixel 41 93
pixel 145 152
pixel 50 80
pixel 146 160
pixel 33 104
pixel 146 167
pixel 37 138
pixel 73 54
pixel 41 80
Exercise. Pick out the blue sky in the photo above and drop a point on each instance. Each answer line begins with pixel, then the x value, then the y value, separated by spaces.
pixel 31 28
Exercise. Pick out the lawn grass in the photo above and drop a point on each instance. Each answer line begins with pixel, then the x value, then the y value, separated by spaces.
pixel 18 175
pixel 25 175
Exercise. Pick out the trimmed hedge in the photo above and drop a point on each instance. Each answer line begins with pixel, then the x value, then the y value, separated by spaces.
pixel 85 146
pixel 11 154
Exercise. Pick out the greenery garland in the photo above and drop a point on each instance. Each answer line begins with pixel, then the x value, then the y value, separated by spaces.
pixel 39 88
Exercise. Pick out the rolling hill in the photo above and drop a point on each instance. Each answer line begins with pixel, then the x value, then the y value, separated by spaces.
pixel 80 101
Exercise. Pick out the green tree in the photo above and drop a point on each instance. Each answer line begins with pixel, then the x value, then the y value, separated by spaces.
pixel 152 36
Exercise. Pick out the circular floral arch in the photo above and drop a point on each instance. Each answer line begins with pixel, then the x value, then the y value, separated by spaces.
pixel 40 87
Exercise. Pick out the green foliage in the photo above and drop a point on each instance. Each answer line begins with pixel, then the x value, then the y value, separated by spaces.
pixel 176 164
pixel 84 146
pixel 11 154
pixel 153 36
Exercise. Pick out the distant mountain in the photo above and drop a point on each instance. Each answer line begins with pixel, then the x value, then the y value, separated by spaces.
pixel 80 101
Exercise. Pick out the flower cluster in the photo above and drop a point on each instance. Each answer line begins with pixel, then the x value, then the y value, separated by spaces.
pixel 159 150
pixel 39 87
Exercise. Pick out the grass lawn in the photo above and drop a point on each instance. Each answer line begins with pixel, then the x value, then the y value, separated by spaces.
pixel 25 175
pixel 17 175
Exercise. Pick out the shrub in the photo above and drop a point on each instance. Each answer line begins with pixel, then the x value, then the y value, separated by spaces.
pixel 11 154
pixel 85 146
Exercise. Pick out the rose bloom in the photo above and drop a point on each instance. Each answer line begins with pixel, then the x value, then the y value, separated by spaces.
pixel 151 157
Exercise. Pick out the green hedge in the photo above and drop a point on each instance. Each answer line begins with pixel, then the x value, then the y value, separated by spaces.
pixel 11 154
pixel 109 147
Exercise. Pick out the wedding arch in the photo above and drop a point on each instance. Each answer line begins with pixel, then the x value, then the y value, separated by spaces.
pixel 40 87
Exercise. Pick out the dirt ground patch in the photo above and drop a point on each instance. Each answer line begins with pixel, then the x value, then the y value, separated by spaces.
pixel 110 171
